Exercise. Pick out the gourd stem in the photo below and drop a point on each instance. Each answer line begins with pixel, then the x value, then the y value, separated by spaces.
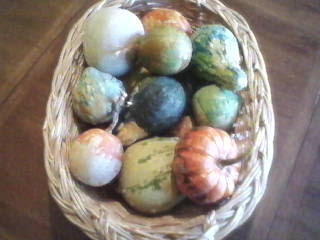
pixel 116 113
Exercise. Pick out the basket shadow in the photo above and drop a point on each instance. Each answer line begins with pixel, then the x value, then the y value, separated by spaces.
pixel 242 232
pixel 61 228
pixel 108 194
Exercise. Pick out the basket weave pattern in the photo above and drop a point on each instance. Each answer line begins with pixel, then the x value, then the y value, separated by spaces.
pixel 110 218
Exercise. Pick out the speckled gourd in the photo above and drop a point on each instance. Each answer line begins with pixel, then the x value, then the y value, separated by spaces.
pixel 146 181
pixel 216 57
pixel 95 96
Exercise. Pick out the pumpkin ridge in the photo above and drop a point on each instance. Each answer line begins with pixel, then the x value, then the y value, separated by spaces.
pixel 199 168
pixel 197 150
pixel 219 191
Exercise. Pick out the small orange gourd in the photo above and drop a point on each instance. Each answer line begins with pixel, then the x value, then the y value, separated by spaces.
pixel 199 165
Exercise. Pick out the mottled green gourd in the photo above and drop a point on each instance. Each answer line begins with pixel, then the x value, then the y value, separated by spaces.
pixel 159 104
pixel 216 57
pixel 216 107
pixel 165 50
pixel 95 96
pixel 146 181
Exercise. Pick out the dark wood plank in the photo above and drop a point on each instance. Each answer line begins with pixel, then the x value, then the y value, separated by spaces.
pixel 299 211
pixel 287 214
pixel 7 6
pixel 27 209
pixel 307 221
pixel 26 29
pixel 290 52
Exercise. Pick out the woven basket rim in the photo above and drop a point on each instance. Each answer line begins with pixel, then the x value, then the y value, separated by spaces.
pixel 99 223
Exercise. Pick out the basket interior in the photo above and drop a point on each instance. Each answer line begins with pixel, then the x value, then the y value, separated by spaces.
pixel 106 199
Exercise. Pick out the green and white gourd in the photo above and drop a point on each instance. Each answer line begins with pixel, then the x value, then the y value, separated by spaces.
pixel 146 182
pixel 216 57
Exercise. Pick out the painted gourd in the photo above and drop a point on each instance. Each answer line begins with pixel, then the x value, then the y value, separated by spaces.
pixel 159 104
pixel 199 165
pixel 95 95
pixel 109 36
pixel 146 180
pixel 216 107
pixel 165 51
pixel 165 17
pixel 216 57
pixel 95 157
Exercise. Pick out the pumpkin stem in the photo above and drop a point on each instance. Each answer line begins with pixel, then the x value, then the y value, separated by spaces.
pixel 116 113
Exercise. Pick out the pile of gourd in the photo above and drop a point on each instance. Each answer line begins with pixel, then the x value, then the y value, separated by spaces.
pixel 170 94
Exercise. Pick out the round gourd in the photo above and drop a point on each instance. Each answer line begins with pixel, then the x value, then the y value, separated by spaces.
pixel 216 107
pixel 95 157
pixel 146 181
pixel 159 104
pixel 108 38
pixel 216 57
pixel 200 165
pixel 165 50
pixel 95 95
pixel 165 17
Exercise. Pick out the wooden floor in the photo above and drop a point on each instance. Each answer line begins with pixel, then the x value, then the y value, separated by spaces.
pixel 32 33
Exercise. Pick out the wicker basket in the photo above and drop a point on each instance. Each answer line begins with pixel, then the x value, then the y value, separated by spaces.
pixel 100 214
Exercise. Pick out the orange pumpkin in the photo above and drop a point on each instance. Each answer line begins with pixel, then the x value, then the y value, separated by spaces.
pixel 199 165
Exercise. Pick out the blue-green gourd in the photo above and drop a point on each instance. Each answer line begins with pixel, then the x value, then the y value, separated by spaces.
pixel 216 107
pixel 216 57
pixel 96 95
pixel 159 104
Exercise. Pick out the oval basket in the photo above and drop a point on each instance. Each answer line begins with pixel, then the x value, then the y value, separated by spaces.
pixel 100 213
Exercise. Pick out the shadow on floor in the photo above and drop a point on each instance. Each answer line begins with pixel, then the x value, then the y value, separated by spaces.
pixel 62 229
pixel 242 232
